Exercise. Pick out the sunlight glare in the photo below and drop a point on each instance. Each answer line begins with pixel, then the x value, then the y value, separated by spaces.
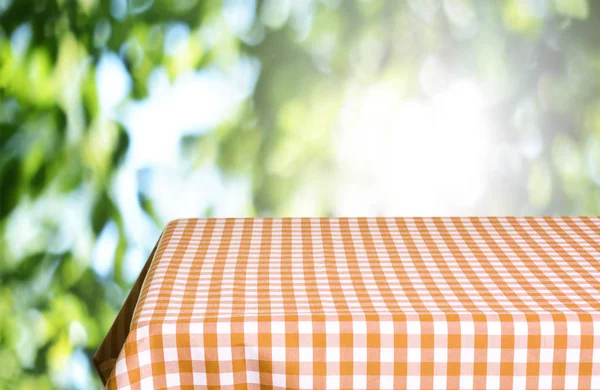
pixel 409 156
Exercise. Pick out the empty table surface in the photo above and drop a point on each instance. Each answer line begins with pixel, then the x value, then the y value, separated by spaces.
pixel 346 303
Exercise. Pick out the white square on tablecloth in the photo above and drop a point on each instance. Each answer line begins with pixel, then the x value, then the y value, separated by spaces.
pixel 333 381
pixel 332 354
pixel 170 354
pixel 147 383
pixel 142 333
pixel 250 327
pixel 519 381
pixel 144 358
pixel 196 328
pixel 226 378
pixel 494 355
pixel 223 328
pixel 305 327
pixel 332 327
pixel 520 329
pixel 278 327
pixel 359 381
pixel 359 327
pixel 546 355
pixel 440 355
pixel 173 380
pixel 573 328
pixel 279 380
pixel 466 382
pixel 547 328
pixel 439 381
pixel 572 382
pixel 386 382
pixel 169 329
pixel 545 382
pixel 251 352
pixel 573 355
pixel 121 367
pixel 440 327
pixel 595 381
pixel 197 353
pixel 413 382
pixel 520 355
pixel 413 327
pixel 199 379
pixel 413 355
pixel 494 328
pixel 467 327
pixel 305 382
pixel 253 377
pixel 305 354
pixel 360 354
pixel 493 381
pixel 224 354
pixel 467 355
pixel 278 354
pixel 386 327
pixel 386 355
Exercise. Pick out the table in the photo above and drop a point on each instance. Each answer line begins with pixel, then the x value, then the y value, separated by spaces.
pixel 456 303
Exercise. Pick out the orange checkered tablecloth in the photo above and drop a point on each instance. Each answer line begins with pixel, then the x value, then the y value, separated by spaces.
pixel 340 303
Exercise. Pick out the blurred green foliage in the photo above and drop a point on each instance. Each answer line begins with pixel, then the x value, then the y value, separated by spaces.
pixel 60 152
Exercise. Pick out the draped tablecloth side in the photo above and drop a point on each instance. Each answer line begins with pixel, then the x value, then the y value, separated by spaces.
pixel 108 351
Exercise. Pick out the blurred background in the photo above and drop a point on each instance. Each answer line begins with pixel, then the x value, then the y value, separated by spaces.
pixel 119 115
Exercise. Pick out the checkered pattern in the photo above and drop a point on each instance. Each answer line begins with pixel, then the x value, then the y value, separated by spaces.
pixel 386 303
